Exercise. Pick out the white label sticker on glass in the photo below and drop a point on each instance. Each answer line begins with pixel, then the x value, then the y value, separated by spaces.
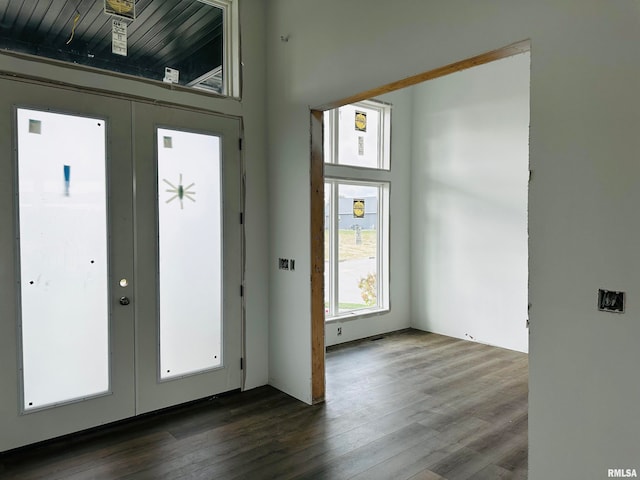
pixel 119 37
pixel 171 75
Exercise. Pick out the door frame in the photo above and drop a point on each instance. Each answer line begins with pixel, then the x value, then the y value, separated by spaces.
pixel 318 379
pixel 152 392
pixel 10 299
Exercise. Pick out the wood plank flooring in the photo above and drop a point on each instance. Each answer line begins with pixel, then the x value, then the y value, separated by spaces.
pixel 410 405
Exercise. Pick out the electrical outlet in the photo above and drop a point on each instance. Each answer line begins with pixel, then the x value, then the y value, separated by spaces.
pixel 283 264
pixel 339 331
pixel 292 264
pixel 610 301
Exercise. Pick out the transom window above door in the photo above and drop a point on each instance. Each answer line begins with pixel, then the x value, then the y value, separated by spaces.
pixel 193 43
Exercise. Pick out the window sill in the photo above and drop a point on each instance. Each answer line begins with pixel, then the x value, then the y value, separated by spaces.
pixel 356 315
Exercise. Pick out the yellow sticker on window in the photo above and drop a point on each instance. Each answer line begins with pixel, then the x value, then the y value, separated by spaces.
pixel 358 209
pixel 361 121
pixel 123 8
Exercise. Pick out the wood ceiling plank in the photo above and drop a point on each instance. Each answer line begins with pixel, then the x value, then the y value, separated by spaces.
pixel 154 15
pixel 99 41
pixel 57 13
pixel 146 12
pixel 26 25
pixel 91 19
pixel 195 34
pixel 21 19
pixel 153 38
pixel 198 41
pixel 4 4
pixel 11 13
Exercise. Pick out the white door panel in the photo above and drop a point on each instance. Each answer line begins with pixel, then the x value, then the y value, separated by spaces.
pixel 55 264
pixel 185 253
pixel 119 283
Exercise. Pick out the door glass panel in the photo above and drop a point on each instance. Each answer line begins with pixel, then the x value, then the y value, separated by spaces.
pixel 357 247
pixel 63 257
pixel 190 252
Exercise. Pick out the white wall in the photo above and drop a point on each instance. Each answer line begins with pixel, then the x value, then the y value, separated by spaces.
pixel 398 316
pixel 252 109
pixel 469 176
pixel 583 233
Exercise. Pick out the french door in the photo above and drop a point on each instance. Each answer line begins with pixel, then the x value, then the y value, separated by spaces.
pixel 120 259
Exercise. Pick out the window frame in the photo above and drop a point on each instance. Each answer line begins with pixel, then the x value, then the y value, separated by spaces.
pixel 230 47
pixel 332 312
pixel 231 59
pixel 332 135
pixel 336 174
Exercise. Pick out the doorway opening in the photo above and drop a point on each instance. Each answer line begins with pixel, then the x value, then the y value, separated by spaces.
pixel 318 195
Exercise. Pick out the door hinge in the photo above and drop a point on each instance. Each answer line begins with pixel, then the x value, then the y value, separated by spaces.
pixel 242 290
pixel 240 144
pixel 241 218
pixel 241 363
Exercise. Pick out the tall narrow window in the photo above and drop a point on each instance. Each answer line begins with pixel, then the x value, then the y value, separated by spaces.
pixel 356 255
pixel 357 209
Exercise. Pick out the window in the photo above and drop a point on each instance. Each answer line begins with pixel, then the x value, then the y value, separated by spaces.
pixel 358 135
pixel 142 39
pixel 357 209
pixel 356 256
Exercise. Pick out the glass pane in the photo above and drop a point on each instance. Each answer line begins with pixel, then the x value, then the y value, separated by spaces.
pixel 190 252
pixel 63 257
pixel 327 249
pixel 357 247
pixel 359 136
pixel 144 47
pixel 327 137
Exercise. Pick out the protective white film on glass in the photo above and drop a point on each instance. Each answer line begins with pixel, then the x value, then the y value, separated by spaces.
pixel 190 252
pixel 63 257
pixel 357 247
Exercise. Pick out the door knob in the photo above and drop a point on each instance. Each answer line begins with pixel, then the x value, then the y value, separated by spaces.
pixel 124 301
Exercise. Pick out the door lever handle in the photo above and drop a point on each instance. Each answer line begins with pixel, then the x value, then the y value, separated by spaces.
pixel 124 301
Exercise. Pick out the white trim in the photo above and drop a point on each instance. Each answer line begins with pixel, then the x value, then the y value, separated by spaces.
pixel 230 46
pixel 380 177
pixel 382 249
pixel 332 129
pixel 334 233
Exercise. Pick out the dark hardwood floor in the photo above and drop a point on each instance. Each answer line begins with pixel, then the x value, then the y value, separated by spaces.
pixel 411 405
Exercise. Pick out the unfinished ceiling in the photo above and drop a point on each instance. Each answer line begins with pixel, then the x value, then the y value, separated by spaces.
pixel 182 34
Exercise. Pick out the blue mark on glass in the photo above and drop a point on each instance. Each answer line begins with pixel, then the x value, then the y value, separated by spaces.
pixel 67 179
